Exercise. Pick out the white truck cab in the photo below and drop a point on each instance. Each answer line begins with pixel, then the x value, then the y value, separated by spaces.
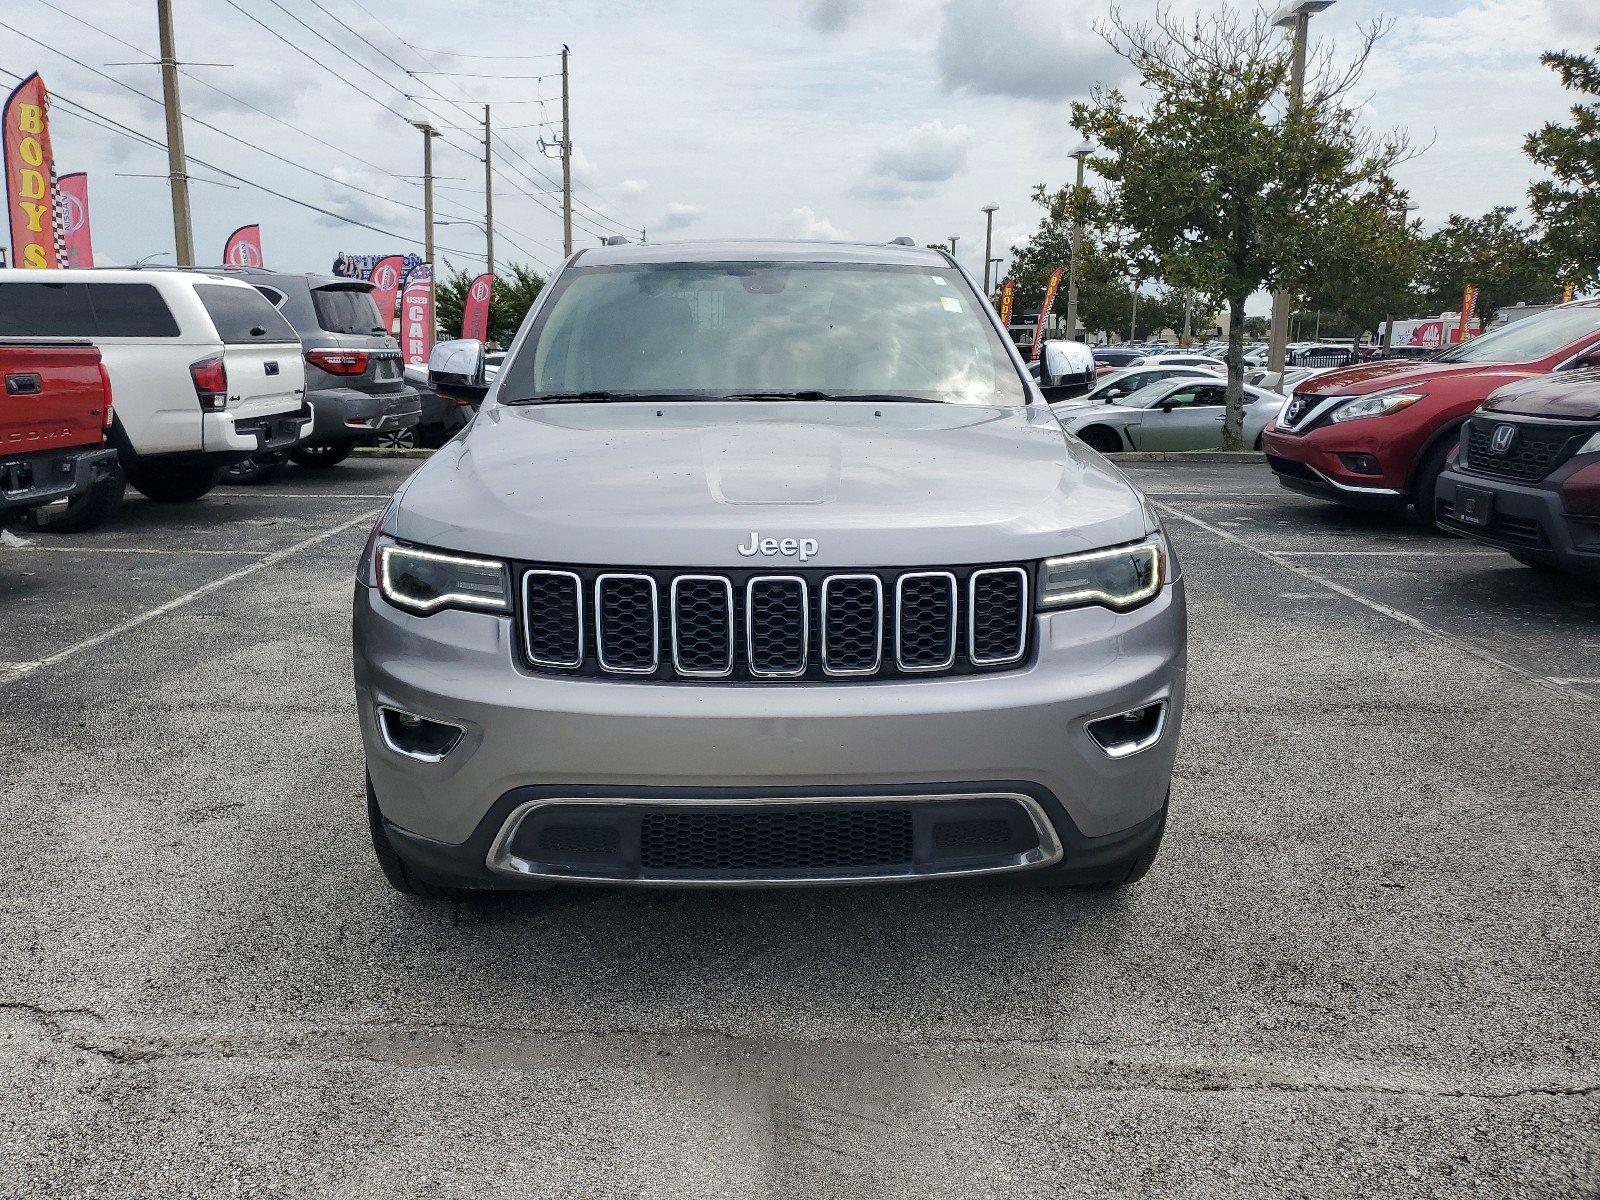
pixel 204 371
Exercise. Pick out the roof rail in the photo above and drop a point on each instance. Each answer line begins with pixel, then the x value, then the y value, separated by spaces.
pixel 903 241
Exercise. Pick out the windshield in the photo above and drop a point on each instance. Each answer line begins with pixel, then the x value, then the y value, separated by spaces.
pixel 346 310
pixel 762 329
pixel 1145 396
pixel 1528 339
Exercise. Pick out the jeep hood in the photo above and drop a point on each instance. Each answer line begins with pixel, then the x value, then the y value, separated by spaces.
pixel 684 484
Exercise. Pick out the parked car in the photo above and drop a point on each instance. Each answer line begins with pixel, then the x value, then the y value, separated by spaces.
pixel 54 414
pixel 1378 435
pixel 1184 413
pixel 1526 476
pixel 1186 358
pixel 685 611
pixel 1116 358
pixel 353 368
pixel 1324 355
pixel 204 370
pixel 1114 387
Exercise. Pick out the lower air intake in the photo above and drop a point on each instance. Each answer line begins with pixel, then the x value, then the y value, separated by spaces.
pixel 777 843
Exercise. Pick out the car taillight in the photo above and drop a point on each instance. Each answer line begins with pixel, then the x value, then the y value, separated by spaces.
pixel 210 382
pixel 339 362
pixel 105 390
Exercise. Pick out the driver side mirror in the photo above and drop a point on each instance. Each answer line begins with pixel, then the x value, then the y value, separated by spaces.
pixel 1587 361
pixel 455 370
pixel 1166 406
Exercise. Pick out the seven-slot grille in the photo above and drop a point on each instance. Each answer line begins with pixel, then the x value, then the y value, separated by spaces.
pixel 1535 451
pixel 749 626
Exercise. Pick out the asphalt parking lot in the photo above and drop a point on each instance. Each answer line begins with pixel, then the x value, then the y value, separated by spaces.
pixel 1366 964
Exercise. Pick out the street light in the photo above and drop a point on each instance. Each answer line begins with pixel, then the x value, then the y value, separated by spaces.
pixel 1081 153
pixel 988 243
pixel 1296 17
pixel 954 238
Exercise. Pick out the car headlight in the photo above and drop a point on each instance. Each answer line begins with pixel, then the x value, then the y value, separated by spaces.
pixel 1120 578
pixel 1380 405
pixel 1589 447
pixel 424 581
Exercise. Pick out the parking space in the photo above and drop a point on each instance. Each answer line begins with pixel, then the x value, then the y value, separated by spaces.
pixel 1364 965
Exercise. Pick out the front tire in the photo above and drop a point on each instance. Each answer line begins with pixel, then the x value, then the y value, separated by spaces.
pixel 88 509
pixel 1425 487
pixel 174 485
pixel 319 456
pixel 1101 438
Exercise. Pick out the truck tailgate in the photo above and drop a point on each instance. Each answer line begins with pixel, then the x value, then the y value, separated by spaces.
pixel 264 380
pixel 54 397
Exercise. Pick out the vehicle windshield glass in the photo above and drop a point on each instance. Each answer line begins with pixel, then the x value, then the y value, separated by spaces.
pixel 346 310
pixel 711 330
pixel 1146 396
pixel 1528 339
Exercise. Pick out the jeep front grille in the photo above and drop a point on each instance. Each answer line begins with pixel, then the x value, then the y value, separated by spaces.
pixel 749 626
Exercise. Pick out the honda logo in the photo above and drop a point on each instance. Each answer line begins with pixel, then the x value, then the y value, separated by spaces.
pixel 1504 435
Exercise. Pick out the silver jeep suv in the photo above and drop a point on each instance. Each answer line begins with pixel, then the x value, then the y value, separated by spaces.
pixel 764 563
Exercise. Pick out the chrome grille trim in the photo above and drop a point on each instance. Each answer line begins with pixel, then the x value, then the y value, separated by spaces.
pixel 899 622
pixel 677 659
pixel 877 658
pixel 600 629
pixel 527 616
pixel 1025 610
pixel 750 626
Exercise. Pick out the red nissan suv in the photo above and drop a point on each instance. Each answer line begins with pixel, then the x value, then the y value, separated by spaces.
pixel 1378 435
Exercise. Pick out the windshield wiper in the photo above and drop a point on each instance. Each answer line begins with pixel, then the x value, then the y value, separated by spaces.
pixel 564 397
pixel 863 397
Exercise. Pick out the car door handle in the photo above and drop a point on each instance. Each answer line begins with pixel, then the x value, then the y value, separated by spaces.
pixel 20 384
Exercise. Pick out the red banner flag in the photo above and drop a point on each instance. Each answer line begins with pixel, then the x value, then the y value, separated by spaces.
pixel 1044 311
pixel 385 278
pixel 243 248
pixel 475 312
pixel 416 316
pixel 1008 300
pixel 30 176
pixel 72 215
pixel 1469 303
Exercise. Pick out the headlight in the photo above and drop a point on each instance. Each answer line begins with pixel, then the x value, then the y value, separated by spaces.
pixel 1374 406
pixel 1589 447
pixel 1121 578
pixel 424 581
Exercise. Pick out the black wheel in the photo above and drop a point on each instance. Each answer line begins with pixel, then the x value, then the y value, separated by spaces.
pixel 1124 872
pixel 1101 438
pixel 87 510
pixel 319 456
pixel 400 876
pixel 398 439
pixel 174 485
pixel 1425 485
pixel 257 469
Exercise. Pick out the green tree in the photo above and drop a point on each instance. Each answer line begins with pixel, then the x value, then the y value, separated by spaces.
pixel 1503 258
pixel 1257 328
pixel 1372 275
pixel 1568 206
pixel 1225 187
pixel 515 290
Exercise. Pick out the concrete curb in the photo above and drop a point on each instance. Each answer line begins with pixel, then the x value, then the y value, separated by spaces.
pixel 1189 456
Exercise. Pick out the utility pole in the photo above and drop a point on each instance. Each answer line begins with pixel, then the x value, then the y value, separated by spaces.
pixel 566 152
pixel 428 134
pixel 1188 315
pixel 488 195
pixel 1133 319
pixel 1085 148
pixel 988 244
pixel 177 161
pixel 1295 16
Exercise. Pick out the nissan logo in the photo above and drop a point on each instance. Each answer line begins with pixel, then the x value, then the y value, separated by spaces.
pixel 1504 435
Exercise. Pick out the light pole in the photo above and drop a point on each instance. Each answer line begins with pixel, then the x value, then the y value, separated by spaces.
pixel 428 134
pixel 1294 16
pixel 1084 149
pixel 988 243
pixel 954 238
pixel 1405 209
pixel 1133 317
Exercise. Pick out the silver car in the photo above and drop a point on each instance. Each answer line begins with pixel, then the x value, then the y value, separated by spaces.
pixel 764 563
pixel 1184 413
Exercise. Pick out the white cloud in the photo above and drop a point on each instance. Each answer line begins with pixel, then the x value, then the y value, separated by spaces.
pixel 677 216
pixel 912 165
pixel 830 16
pixel 1023 49
pixel 631 187
pixel 1578 20
pixel 803 222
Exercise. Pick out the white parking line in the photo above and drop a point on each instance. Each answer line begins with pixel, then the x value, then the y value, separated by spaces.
pixel 121 550
pixel 150 614
pixel 268 494
pixel 1442 552
pixel 1556 685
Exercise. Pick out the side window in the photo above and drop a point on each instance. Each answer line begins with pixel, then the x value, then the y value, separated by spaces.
pixel 1208 397
pixel 46 310
pixel 273 295
pixel 134 310
pixel 243 316
pixel 1182 398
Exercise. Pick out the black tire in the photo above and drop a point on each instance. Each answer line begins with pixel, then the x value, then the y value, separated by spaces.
pixel 319 456
pixel 399 439
pixel 174 485
pixel 258 468
pixel 90 509
pixel 1425 485
pixel 400 876
pixel 1123 873
pixel 1101 438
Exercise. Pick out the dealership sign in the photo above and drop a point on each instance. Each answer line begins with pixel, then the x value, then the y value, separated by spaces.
pixel 72 217
pixel 243 248
pixel 1044 313
pixel 475 311
pixel 416 316
pixel 386 276
pixel 30 176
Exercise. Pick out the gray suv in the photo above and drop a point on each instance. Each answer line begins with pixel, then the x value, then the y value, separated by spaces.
pixel 354 371
pixel 764 563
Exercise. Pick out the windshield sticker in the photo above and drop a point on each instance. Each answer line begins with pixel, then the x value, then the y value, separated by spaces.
pixel 950 304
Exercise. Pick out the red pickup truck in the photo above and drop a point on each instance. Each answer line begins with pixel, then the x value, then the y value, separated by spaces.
pixel 1379 435
pixel 54 414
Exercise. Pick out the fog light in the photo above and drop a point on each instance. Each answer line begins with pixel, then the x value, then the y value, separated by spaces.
pixel 1129 732
pixel 417 737
pixel 1360 464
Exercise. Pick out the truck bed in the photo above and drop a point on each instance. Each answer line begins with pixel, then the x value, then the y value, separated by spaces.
pixel 55 396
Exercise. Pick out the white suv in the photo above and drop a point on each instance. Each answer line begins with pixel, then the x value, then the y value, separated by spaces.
pixel 204 371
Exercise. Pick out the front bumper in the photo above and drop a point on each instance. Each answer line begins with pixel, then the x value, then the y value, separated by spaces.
pixel 1307 464
pixel 1521 519
pixel 1018 736
pixel 345 414
pixel 27 481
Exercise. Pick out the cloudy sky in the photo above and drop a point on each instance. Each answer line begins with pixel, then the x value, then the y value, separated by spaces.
pixel 698 118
